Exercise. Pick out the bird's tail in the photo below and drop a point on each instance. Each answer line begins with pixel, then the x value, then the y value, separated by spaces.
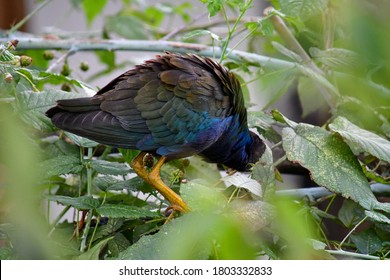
pixel 77 105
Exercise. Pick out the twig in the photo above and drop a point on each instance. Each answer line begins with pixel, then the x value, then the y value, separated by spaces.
pixel 178 30
pixel 351 231
pixel 70 52
pixel 27 18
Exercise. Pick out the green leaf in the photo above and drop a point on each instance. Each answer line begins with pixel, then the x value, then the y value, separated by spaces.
pixel 127 26
pixel 330 161
pixel 303 9
pixel 93 253
pixel 264 172
pixel 31 106
pixel 82 202
pixel 350 213
pixel 367 241
pixel 81 141
pixel 378 217
pixel 60 165
pixel 110 168
pixel 109 183
pixel 361 140
pixel 124 211
pixel 92 8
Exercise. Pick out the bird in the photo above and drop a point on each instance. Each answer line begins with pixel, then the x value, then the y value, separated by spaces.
pixel 171 106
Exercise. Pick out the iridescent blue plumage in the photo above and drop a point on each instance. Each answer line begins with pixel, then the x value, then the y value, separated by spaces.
pixel 173 106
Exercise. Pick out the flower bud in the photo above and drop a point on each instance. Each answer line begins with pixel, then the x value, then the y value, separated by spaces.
pixel 25 61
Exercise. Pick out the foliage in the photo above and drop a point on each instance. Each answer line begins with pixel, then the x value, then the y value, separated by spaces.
pixel 337 55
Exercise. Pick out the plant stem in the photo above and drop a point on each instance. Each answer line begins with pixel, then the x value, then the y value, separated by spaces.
pixel 56 221
pixel 352 230
pixel 352 254
pixel 26 18
pixel 83 245
pixel 284 32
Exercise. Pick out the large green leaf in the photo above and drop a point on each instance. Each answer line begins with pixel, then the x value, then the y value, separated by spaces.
pixel 361 140
pixel 111 168
pixel 61 165
pixel 124 211
pixel 330 161
pixel 81 202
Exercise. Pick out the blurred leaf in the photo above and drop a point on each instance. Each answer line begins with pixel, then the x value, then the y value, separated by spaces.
pixel 126 26
pixel 93 253
pixel 256 214
pixel 106 57
pixel 199 196
pixel 271 85
pixel 310 99
pixel 111 168
pixel 330 162
pixel 287 52
pixel 303 9
pixel 92 8
pixel 201 32
pixel 361 140
pixel 367 241
pixel 124 211
pixel 81 202
pixel 60 165
pixel 337 58
pixel 214 6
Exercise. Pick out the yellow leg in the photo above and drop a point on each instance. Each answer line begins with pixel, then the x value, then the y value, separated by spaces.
pixel 154 179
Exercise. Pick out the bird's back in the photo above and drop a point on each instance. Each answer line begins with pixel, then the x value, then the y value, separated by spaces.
pixel 173 105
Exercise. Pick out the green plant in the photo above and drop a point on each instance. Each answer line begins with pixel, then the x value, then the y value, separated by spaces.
pixel 318 47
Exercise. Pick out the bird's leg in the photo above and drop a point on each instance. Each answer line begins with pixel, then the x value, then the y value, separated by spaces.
pixel 154 179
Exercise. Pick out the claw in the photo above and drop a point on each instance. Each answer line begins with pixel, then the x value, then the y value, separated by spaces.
pixel 154 179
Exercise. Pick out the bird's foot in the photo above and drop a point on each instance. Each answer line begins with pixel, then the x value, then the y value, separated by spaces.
pixel 154 179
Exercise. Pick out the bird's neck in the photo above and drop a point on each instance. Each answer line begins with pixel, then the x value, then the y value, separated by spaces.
pixel 233 147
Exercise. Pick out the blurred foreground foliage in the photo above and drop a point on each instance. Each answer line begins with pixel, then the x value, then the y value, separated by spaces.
pixel 112 214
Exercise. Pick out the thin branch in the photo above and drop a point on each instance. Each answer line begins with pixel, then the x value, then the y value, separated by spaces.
pixel 27 18
pixel 178 30
pixel 317 192
pixel 149 46
pixel 353 255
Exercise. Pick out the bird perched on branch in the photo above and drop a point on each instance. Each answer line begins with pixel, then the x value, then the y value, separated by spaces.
pixel 172 106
